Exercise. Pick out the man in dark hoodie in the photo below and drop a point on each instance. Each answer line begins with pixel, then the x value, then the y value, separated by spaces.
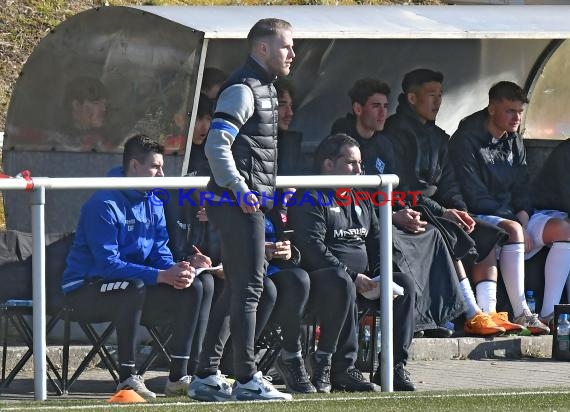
pixel 438 299
pixel 490 160
pixel 421 148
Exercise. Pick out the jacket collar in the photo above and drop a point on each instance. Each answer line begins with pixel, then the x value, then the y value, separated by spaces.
pixel 405 109
pixel 261 72
pixel 131 194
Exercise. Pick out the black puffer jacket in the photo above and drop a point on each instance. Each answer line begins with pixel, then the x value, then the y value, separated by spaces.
pixel 255 147
pixel 423 160
pixel 492 173
pixel 551 187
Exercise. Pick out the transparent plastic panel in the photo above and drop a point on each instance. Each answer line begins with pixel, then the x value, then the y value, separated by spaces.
pixel 547 115
pixel 101 77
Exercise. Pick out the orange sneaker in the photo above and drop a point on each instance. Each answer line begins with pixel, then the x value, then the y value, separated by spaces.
pixel 502 319
pixel 482 324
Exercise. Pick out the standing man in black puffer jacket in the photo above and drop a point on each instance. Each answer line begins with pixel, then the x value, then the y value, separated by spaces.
pixel 242 152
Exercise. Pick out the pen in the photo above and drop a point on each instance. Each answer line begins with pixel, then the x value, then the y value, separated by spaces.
pixel 196 249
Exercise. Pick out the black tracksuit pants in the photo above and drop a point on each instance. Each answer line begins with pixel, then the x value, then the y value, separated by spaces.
pixel 243 256
pixel 284 297
pixel 333 302
pixel 130 301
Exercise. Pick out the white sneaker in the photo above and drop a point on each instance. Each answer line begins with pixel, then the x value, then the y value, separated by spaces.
pixel 258 389
pixel 532 323
pixel 136 383
pixel 213 388
pixel 178 388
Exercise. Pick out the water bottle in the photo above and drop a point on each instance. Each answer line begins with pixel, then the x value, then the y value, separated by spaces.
pixel 365 344
pixel 531 302
pixel 563 335
pixel 378 335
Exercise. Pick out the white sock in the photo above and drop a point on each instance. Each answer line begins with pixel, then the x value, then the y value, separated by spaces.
pixel 511 262
pixel 487 295
pixel 556 271
pixel 469 298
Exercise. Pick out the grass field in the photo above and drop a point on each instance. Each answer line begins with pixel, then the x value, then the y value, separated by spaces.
pixel 536 400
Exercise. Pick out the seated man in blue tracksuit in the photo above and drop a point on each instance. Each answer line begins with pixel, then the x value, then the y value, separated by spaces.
pixel 121 268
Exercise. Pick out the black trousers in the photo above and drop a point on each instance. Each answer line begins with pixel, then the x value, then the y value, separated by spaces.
pixel 131 301
pixel 333 302
pixel 285 295
pixel 207 281
pixel 243 256
pixel 293 288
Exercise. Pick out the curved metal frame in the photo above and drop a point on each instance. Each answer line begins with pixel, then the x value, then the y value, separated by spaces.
pixel 537 69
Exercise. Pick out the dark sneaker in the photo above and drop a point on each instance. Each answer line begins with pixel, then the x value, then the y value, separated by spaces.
pixel 438 332
pixel 295 375
pixel 402 381
pixel 352 380
pixel 321 374
pixel 419 334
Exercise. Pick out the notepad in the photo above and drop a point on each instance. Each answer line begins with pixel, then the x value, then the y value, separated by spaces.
pixel 375 293
pixel 213 268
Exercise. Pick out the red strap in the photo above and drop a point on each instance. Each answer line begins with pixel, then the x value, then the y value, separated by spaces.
pixel 25 174
pixel 28 176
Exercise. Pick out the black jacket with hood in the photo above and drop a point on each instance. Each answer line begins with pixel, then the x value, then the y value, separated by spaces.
pixel 492 172
pixel 377 152
pixel 423 160
pixel 551 187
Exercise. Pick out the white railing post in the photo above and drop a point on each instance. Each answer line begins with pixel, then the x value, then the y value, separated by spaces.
pixel 386 322
pixel 39 293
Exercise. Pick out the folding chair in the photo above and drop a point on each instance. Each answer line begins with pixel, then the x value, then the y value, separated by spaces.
pixel 160 336
pixel 16 306
pixel 271 341
pixel 98 347
pixel 16 271
pixel 14 312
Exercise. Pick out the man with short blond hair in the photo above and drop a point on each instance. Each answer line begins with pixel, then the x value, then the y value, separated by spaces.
pixel 241 148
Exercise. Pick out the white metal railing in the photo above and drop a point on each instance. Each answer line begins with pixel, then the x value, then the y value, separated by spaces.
pixel 37 187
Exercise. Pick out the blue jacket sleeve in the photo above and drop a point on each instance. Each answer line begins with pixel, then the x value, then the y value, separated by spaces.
pixel 101 229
